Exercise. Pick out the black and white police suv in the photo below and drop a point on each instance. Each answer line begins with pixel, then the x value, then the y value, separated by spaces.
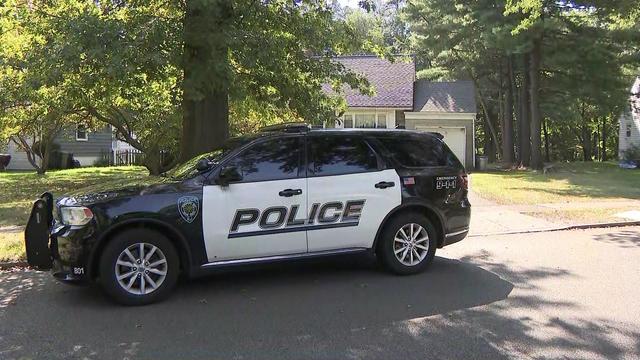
pixel 288 192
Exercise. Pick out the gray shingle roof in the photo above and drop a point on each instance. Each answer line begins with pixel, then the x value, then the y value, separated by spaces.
pixel 392 81
pixel 455 96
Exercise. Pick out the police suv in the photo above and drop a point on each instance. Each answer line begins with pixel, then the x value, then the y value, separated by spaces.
pixel 288 192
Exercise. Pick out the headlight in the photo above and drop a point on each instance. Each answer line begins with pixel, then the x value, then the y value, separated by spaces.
pixel 75 215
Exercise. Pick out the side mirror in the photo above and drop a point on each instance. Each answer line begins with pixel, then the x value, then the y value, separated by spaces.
pixel 227 175
pixel 203 165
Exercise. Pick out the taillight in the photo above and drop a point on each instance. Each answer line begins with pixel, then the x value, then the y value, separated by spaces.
pixel 464 180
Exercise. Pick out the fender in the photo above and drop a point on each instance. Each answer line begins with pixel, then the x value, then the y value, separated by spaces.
pixel 407 205
pixel 184 252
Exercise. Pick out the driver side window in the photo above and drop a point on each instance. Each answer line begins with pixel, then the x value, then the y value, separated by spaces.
pixel 273 159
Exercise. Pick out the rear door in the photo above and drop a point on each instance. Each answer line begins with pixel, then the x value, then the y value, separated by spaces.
pixel 349 192
pixel 260 214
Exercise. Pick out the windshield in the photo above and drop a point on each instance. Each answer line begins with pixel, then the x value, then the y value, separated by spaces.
pixel 188 168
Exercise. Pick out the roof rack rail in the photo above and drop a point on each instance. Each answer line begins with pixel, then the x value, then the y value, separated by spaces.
pixel 287 127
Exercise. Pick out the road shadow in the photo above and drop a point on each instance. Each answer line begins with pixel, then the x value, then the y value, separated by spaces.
pixel 304 302
pixel 621 238
pixel 342 308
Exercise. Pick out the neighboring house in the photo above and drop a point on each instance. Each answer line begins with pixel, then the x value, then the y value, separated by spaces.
pixel 630 121
pixel 87 146
pixel 448 108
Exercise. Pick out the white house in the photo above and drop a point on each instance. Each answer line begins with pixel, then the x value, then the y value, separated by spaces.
pixel 630 121
pixel 400 100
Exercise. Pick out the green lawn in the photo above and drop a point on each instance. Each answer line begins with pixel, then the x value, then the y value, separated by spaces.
pixel 570 182
pixel 11 246
pixel 18 190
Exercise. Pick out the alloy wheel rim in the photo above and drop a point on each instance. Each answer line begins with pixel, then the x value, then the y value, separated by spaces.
pixel 141 268
pixel 411 244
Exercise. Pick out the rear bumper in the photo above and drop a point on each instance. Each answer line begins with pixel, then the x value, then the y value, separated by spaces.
pixel 454 237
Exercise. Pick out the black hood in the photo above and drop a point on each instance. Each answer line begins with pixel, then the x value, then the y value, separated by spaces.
pixel 116 189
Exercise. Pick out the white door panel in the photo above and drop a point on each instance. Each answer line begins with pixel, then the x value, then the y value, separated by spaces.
pixel 251 238
pixel 454 137
pixel 352 187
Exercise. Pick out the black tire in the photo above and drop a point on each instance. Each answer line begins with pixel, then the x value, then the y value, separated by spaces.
pixel 387 246
pixel 117 246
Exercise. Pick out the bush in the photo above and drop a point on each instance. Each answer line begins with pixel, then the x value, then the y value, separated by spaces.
pixel 632 153
pixel 102 162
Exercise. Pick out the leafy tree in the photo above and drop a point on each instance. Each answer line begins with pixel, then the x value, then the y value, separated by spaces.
pixel 536 62
pixel 277 52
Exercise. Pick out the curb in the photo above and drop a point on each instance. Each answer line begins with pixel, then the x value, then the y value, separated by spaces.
pixel 563 228
pixel 13 264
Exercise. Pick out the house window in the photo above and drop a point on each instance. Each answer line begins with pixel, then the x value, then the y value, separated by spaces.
pixel 348 121
pixel 382 121
pixel 365 120
pixel 628 130
pixel 81 133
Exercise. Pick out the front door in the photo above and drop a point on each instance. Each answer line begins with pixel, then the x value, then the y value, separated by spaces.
pixel 260 214
pixel 349 192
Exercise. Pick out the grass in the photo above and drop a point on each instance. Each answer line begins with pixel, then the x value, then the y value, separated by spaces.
pixel 20 189
pixel 11 246
pixel 570 182
pixel 582 215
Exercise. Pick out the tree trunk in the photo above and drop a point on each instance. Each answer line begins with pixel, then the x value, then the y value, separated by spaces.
pixel 547 157
pixel 205 119
pixel 489 144
pixel 524 129
pixel 507 126
pixel 534 93
pixel 604 139
pixel 586 143
pixel 205 125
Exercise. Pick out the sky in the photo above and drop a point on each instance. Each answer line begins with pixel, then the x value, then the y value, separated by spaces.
pixel 351 3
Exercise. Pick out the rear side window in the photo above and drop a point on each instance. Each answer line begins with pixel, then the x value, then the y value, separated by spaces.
pixel 338 155
pixel 419 151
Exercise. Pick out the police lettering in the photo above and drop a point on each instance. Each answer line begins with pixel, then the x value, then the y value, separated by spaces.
pixel 280 216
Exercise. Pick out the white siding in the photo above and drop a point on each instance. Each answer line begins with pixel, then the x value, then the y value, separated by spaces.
pixel 630 121
pixel 389 113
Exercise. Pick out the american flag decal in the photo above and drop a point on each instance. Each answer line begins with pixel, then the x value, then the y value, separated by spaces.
pixel 409 180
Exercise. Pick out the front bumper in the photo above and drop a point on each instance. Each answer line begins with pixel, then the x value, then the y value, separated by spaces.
pixel 54 247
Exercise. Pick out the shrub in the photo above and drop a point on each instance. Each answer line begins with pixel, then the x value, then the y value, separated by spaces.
pixel 632 153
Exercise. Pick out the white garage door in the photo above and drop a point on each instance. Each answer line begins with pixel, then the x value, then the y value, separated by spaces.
pixel 454 137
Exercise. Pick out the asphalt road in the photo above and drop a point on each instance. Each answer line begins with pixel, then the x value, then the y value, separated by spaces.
pixel 548 295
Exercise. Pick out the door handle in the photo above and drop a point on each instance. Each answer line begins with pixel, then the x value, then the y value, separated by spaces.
pixel 385 184
pixel 290 192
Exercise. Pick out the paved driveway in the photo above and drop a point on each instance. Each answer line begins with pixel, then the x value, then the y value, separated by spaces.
pixel 559 295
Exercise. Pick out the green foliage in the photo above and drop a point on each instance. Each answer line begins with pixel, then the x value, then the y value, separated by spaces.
pixel 632 153
pixel 127 65
pixel 589 50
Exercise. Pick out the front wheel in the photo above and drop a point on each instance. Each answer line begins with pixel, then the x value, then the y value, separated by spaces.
pixel 139 267
pixel 408 244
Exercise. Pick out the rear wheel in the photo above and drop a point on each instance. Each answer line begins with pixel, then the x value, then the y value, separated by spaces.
pixel 139 267
pixel 408 244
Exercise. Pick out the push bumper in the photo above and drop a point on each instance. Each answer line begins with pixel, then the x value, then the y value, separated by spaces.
pixel 42 243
